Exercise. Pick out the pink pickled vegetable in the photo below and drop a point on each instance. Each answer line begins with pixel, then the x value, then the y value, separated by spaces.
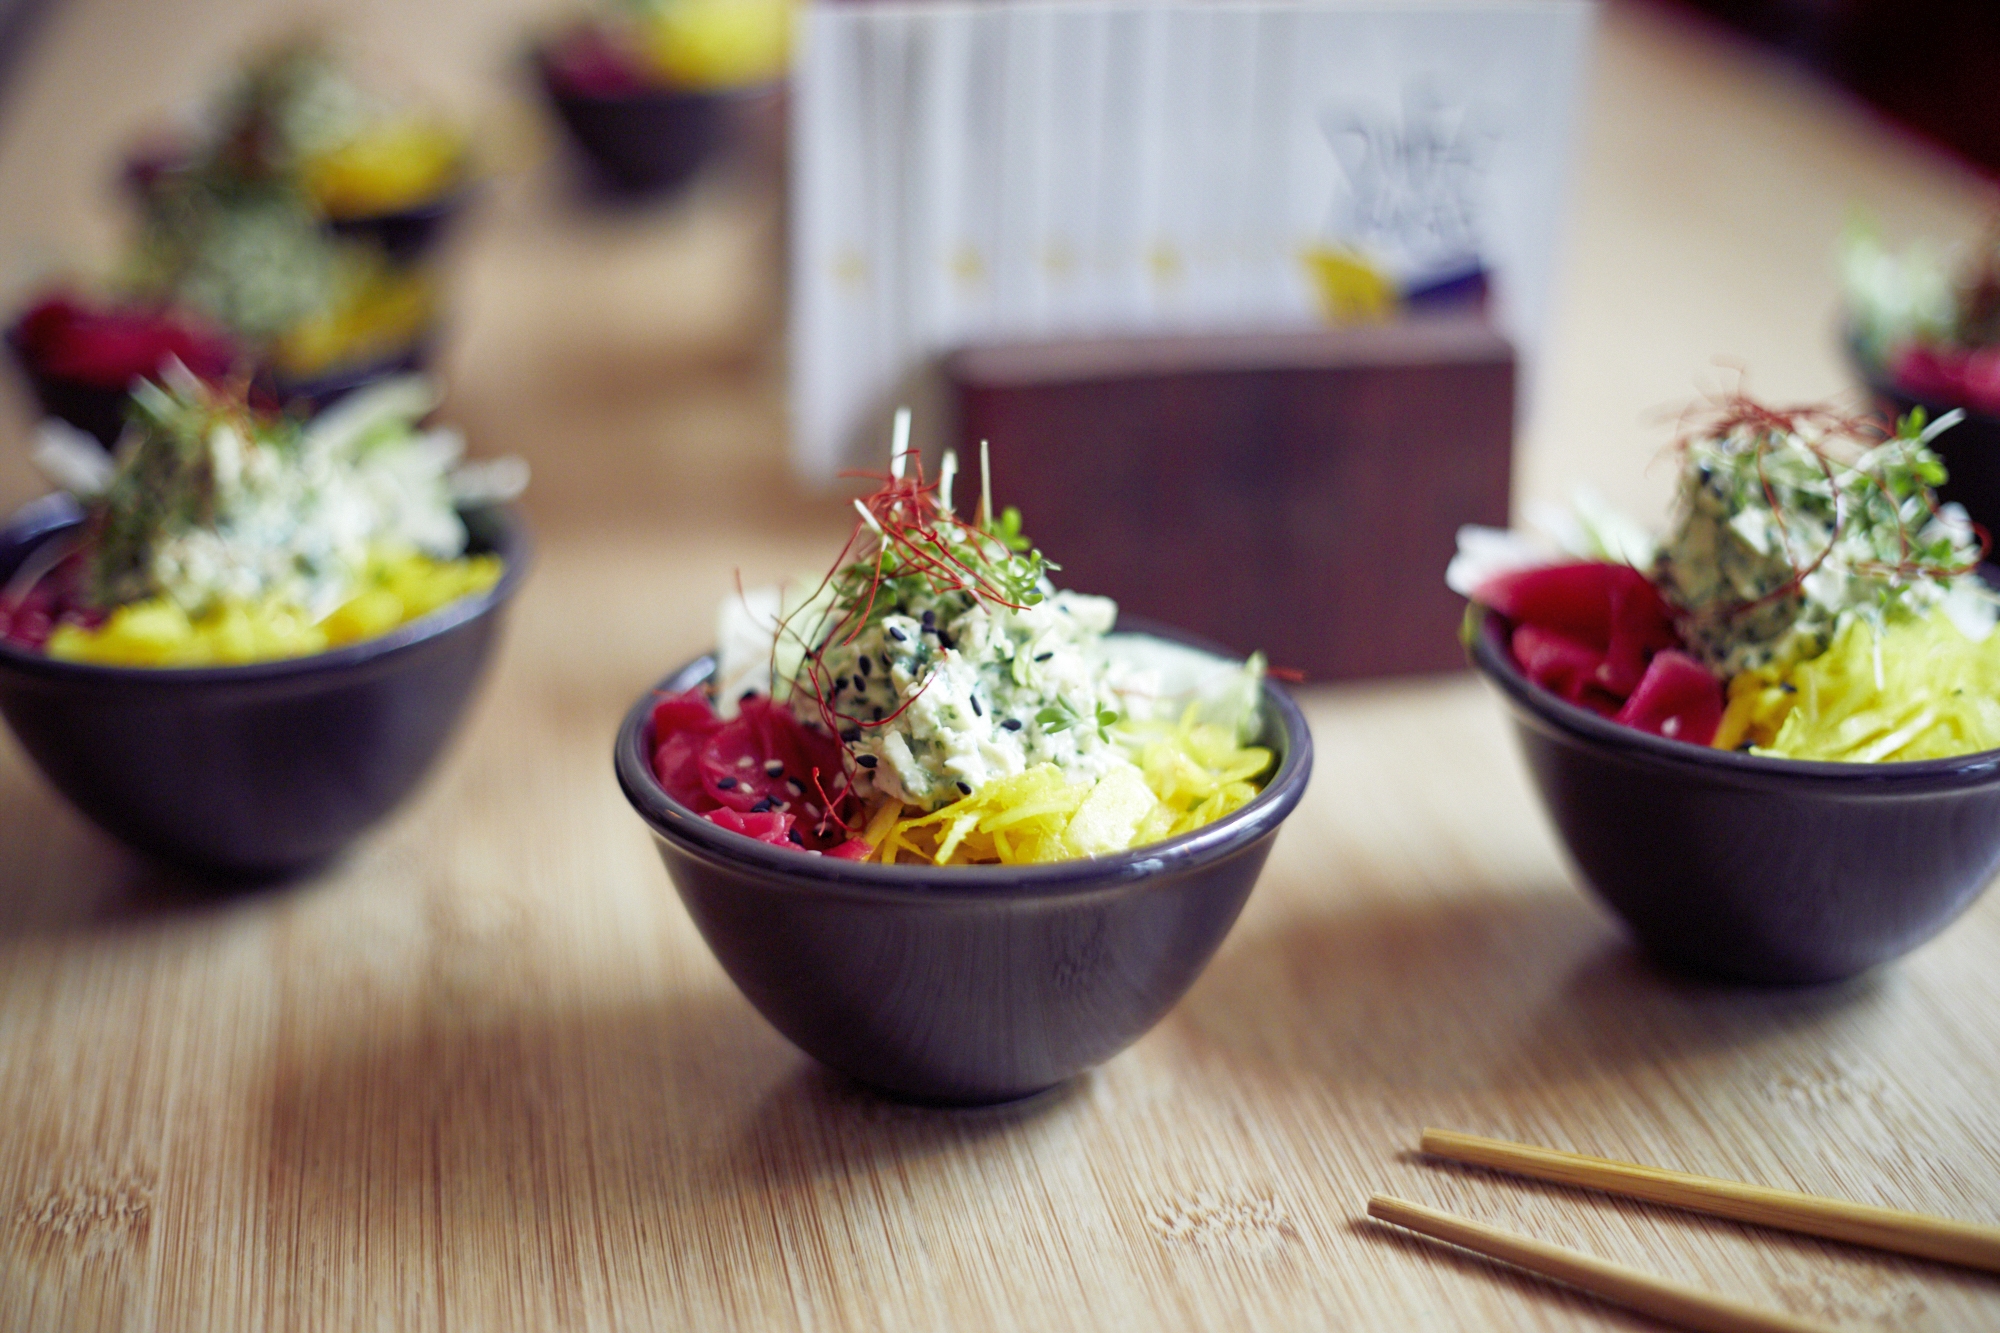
pixel 763 773
pixel 1599 635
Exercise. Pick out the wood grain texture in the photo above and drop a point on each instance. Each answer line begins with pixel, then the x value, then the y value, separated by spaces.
pixel 482 1074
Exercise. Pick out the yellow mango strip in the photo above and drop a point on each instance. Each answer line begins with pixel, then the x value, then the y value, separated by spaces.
pixel 1188 774
pixel 394 590
pixel 1919 690
pixel 391 166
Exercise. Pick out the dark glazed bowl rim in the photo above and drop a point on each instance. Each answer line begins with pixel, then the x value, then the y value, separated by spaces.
pixel 661 92
pixel 1489 653
pixel 512 543
pixel 799 872
pixel 1882 384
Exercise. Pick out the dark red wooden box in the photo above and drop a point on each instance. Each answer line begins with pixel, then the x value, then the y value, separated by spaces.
pixel 1294 492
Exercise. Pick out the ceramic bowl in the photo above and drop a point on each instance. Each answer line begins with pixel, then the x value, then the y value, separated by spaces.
pixel 252 771
pixel 99 411
pixel 94 409
pixel 651 140
pixel 404 235
pixel 1749 868
pixel 970 984
pixel 409 235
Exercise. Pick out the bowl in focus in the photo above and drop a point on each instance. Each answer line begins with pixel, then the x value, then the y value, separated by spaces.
pixel 1750 868
pixel 963 985
pixel 647 140
pixel 262 770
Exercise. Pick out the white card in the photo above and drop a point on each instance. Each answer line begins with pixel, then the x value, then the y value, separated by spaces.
pixel 1014 169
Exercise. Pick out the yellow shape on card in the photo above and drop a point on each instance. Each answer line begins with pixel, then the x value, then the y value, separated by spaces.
pixel 1350 289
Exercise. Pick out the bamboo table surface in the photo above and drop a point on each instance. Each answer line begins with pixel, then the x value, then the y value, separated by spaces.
pixel 483 1074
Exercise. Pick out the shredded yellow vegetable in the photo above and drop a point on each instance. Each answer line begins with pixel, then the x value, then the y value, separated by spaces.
pixel 1920 690
pixel 381 316
pixel 395 589
pixel 720 43
pixel 397 164
pixel 1185 775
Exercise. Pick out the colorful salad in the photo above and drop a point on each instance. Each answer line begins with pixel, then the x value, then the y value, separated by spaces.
pixel 1811 599
pixel 936 699
pixel 236 228
pixel 636 45
pixel 1928 326
pixel 221 535
pixel 295 116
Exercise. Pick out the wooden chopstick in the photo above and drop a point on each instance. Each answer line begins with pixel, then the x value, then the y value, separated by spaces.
pixel 1629 1287
pixel 1926 1237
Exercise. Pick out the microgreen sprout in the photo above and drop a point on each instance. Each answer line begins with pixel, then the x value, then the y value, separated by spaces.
pixel 1790 518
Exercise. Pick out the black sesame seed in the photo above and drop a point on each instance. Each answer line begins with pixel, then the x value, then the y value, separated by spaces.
pixel 1043 657
pixel 897 634
pixel 930 619
pixel 1011 724
pixel 865 760
pixel 761 804
pixel 965 787
pixel 878 715
pixel 727 784
pixel 867 667
pixel 795 787
pixel 748 694
pixel 839 683
pixel 792 835
pixel 851 734
pixel 977 711
pixel 944 640
pixel 775 767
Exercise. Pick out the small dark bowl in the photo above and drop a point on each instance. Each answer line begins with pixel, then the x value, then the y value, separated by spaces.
pixel 252 771
pixel 963 985
pixel 409 235
pixel 317 392
pixel 647 141
pixel 404 236
pixel 100 412
pixel 1749 868
pixel 95 410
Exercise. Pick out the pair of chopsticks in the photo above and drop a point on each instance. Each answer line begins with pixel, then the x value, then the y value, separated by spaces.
pixel 1917 1234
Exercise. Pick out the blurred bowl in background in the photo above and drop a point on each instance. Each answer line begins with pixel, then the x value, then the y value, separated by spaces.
pixel 963 985
pixel 80 358
pixel 410 235
pixel 262 770
pixel 1750 868
pixel 1970 450
pixel 642 139
pixel 313 393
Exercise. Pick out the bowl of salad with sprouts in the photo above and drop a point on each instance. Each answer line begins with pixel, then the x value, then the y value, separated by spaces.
pixel 1923 329
pixel 243 638
pixel 952 829
pixel 1770 736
